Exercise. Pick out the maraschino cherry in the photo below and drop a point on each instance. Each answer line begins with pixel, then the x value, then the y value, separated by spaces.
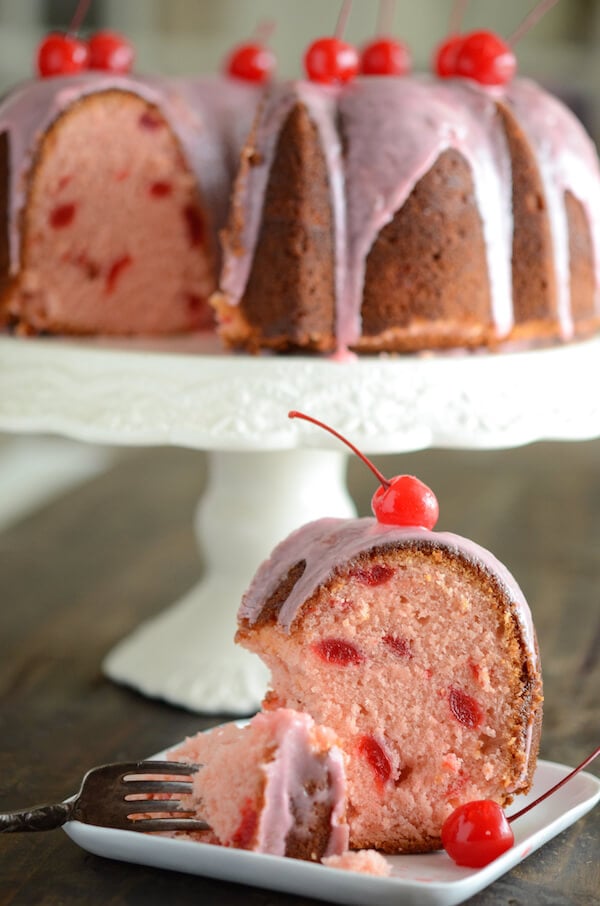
pixel 111 52
pixel 64 54
pixel 478 832
pixel 482 55
pixel 444 61
pixel 485 58
pixel 403 500
pixel 253 61
pixel 61 55
pixel 385 55
pixel 333 61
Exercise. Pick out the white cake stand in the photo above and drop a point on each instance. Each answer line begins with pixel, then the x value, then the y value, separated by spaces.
pixel 268 474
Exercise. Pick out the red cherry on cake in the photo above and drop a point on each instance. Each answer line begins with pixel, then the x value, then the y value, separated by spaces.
pixel 61 55
pixel 111 52
pixel 251 62
pixel 444 62
pixel 478 832
pixel 403 500
pixel 385 56
pixel 406 501
pixel 331 61
pixel 485 58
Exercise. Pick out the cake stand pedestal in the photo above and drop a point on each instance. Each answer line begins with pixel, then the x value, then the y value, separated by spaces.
pixel 268 474
pixel 252 501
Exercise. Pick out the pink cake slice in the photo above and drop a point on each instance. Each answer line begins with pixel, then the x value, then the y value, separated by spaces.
pixel 275 785
pixel 112 191
pixel 417 648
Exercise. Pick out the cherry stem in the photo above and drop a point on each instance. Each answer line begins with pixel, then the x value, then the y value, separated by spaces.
pixel 556 786
pixel 315 421
pixel 79 16
pixel 457 15
pixel 264 31
pixel 385 18
pixel 532 19
pixel 342 19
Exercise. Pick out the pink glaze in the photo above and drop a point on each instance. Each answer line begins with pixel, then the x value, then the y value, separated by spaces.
pixel 568 161
pixel 265 779
pixel 396 129
pixel 326 544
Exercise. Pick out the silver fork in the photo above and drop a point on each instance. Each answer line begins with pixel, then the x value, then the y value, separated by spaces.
pixel 103 800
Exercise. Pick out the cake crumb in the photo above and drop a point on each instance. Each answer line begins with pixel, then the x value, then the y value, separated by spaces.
pixel 366 861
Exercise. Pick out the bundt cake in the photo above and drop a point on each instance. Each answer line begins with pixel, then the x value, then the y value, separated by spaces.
pixel 113 189
pixel 410 213
pixel 275 785
pixel 417 648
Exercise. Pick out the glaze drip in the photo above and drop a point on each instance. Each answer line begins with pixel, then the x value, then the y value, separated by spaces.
pixel 381 135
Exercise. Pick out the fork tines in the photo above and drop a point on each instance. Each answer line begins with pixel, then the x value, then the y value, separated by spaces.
pixel 136 777
pixel 177 816
pixel 167 824
pixel 159 767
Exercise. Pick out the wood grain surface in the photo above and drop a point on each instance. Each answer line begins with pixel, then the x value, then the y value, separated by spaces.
pixel 81 573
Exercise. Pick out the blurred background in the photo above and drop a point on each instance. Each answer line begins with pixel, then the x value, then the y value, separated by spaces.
pixel 195 36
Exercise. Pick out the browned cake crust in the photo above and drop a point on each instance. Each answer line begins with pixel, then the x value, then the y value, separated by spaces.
pixel 426 280
pixel 289 297
pixel 533 278
pixel 310 843
pixel 582 275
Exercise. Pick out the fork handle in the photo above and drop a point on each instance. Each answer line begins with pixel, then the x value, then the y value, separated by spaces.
pixel 41 818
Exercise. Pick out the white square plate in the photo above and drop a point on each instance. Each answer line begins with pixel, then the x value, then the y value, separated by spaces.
pixel 415 881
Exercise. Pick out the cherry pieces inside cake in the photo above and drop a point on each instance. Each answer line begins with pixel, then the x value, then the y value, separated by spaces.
pixel 113 190
pixel 418 649
pixel 275 785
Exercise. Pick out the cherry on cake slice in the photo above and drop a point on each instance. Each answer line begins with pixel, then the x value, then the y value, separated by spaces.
pixel 416 647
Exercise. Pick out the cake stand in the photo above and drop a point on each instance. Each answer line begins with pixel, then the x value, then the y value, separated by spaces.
pixel 268 474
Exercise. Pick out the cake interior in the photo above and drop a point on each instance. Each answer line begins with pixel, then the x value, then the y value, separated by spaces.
pixel 416 660
pixel 274 786
pixel 124 220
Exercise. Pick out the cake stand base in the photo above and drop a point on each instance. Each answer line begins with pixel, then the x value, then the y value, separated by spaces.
pixel 187 654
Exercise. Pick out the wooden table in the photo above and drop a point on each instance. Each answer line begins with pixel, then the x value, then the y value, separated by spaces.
pixel 80 574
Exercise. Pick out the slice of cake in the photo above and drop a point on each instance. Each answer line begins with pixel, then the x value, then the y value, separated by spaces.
pixel 418 649
pixel 275 785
